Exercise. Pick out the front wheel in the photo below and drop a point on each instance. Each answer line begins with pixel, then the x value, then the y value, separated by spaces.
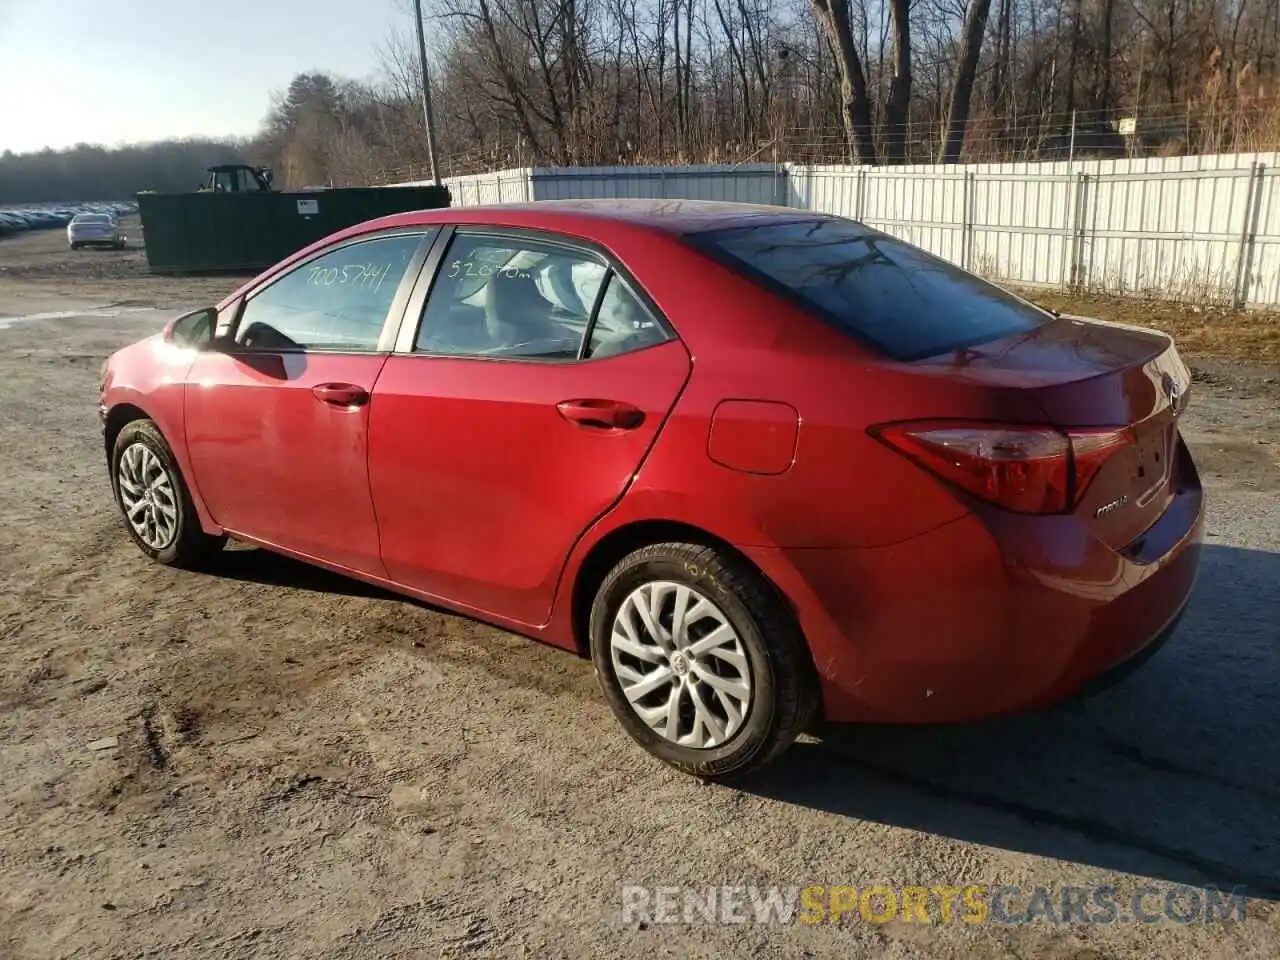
pixel 700 660
pixel 154 500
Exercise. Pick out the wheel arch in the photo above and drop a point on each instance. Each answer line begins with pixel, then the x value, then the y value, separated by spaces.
pixel 125 412
pixel 118 417
pixel 616 544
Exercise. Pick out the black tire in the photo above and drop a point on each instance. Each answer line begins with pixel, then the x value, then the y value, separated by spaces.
pixel 784 696
pixel 75 246
pixel 190 545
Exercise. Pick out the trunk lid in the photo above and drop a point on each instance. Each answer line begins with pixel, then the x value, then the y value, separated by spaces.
pixel 1084 376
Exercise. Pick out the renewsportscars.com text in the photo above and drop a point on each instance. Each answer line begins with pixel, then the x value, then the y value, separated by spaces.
pixel 970 903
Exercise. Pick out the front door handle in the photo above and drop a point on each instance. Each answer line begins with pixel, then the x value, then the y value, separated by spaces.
pixel 607 415
pixel 341 394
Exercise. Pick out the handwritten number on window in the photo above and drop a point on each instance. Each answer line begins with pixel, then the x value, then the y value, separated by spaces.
pixel 368 276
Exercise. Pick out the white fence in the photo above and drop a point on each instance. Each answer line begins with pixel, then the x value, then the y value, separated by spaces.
pixel 1204 228
pixel 754 183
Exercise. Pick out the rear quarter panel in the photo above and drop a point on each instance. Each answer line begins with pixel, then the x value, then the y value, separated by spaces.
pixel 843 488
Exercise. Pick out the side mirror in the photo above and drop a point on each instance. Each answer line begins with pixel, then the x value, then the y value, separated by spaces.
pixel 193 331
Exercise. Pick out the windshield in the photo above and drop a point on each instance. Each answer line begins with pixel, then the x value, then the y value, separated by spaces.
pixel 92 218
pixel 905 302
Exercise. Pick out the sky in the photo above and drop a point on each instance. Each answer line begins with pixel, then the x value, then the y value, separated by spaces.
pixel 123 71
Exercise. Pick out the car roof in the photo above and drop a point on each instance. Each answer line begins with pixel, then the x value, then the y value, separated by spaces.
pixel 663 215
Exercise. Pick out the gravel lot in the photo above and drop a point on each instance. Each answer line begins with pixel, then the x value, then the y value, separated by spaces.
pixel 269 761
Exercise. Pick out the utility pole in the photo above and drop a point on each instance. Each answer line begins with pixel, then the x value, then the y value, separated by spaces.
pixel 427 112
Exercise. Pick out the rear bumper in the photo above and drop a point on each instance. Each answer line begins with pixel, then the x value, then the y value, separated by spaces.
pixel 1122 670
pixel 990 614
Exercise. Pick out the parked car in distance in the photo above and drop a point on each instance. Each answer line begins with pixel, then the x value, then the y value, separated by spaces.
pixel 94 230
pixel 761 465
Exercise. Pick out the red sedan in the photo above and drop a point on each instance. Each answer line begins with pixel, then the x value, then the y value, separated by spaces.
pixel 761 465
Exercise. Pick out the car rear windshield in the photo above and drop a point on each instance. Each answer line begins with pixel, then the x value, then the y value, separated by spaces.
pixel 903 301
pixel 93 218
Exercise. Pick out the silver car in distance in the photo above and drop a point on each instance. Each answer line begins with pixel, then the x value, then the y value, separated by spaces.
pixel 94 230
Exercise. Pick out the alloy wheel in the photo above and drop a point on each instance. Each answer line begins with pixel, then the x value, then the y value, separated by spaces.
pixel 681 665
pixel 147 496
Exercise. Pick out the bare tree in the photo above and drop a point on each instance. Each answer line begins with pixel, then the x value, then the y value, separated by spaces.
pixel 521 82
pixel 897 108
pixel 855 104
pixel 975 25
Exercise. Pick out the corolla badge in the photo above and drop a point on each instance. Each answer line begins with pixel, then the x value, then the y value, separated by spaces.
pixel 1112 507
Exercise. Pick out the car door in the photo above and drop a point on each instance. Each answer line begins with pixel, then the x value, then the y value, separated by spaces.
pixel 277 411
pixel 517 407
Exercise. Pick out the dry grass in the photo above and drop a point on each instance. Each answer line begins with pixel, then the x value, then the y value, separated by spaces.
pixel 1204 331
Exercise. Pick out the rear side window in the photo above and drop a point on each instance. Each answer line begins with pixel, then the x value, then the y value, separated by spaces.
pixel 622 323
pixel 903 301
pixel 498 296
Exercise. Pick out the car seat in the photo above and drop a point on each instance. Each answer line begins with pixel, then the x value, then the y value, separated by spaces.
pixel 516 312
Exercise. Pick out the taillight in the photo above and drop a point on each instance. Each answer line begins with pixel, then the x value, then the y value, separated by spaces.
pixel 1024 469
pixel 1090 449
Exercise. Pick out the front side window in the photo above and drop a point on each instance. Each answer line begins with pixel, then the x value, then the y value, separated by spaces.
pixel 904 301
pixel 338 301
pixel 510 297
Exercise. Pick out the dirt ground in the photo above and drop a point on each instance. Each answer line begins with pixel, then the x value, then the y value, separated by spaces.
pixel 264 760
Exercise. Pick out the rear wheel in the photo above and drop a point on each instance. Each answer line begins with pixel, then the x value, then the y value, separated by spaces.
pixel 75 246
pixel 700 661
pixel 154 500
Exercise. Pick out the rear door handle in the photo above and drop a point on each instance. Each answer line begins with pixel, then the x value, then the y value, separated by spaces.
pixel 605 415
pixel 341 394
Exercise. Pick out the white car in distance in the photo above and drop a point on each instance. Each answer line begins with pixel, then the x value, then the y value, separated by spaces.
pixel 94 230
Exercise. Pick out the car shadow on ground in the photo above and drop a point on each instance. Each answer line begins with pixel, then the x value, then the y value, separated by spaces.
pixel 1173 773
pixel 253 565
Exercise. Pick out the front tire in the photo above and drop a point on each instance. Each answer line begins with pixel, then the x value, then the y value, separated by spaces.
pixel 154 500
pixel 700 660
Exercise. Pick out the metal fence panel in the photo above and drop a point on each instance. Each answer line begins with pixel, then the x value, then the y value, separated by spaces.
pixel 1175 232
pixel 1023 226
pixel 1261 282
pixel 500 186
pixel 927 210
pixel 746 183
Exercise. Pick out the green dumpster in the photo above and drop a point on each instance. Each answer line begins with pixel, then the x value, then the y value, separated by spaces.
pixel 249 231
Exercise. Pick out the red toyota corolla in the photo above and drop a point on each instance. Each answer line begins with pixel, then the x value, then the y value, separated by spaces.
pixel 760 465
